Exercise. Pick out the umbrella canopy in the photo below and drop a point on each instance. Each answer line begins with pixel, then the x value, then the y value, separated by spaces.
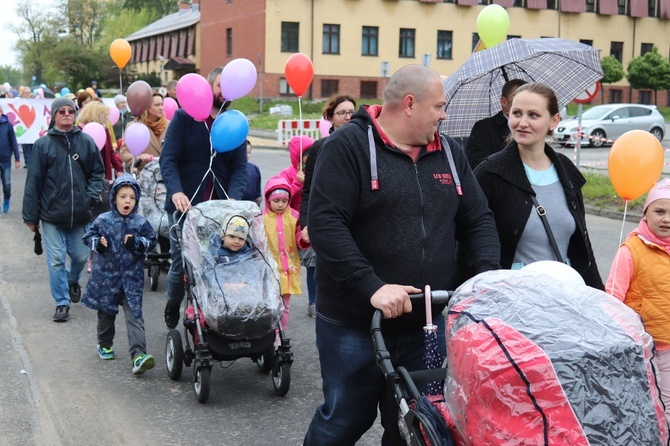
pixel 473 91
pixel 48 93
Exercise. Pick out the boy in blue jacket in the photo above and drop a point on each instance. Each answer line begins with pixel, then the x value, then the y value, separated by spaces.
pixel 8 146
pixel 121 238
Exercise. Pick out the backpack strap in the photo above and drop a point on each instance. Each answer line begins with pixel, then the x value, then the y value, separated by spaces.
pixel 70 152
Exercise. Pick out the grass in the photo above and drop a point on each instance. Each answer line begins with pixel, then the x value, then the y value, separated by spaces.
pixel 599 192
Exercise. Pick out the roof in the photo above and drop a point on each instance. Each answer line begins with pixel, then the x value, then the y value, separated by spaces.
pixel 179 63
pixel 179 20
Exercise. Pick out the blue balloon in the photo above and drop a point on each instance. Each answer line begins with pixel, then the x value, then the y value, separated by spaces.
pixel 64 91
pixel 229 131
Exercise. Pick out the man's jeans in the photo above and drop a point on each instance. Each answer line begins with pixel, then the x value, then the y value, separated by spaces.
pixel 59 242
pixel 353 384
pixel 174 285
pixel 5 176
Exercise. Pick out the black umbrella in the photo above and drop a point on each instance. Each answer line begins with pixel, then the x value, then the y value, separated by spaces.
pixel 48 93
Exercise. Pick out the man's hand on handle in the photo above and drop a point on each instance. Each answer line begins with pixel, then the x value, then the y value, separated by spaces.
pixel 393 300
pixel 181 202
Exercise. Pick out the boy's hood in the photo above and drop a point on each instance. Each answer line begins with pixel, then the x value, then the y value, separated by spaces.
pixel 124 180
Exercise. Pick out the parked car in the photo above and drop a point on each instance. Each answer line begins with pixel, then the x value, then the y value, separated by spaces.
pixel 604 123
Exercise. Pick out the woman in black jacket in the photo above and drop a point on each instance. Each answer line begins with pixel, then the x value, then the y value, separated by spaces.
pixel 338 111
pixel 528 168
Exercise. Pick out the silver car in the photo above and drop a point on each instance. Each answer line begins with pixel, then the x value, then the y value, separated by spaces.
pixel 603 124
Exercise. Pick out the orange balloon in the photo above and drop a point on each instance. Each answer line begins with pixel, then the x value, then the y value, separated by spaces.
pixel 120 52
pixel 299 72
pixel 635 163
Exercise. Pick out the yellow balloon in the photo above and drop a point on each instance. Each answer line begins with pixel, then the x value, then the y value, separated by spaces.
pixel 492 25
pixel 635 163
pixel 120 51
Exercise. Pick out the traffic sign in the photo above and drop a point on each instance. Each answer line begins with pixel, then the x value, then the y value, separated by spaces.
pixel 588 95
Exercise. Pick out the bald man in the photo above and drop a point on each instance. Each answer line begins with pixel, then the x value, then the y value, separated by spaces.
pixel 390 198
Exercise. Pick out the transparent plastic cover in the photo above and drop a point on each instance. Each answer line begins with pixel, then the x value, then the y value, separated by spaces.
pixel 152 201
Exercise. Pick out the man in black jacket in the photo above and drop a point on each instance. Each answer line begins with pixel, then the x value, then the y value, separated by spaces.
pixel 63 184
pixel 390 199
pixel 489 135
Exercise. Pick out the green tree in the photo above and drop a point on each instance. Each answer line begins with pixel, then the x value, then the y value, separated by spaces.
pixel 78 64
pixel 649 72
pixel 157 8
pixel 612 72
pixel 84 19
pixel 10 74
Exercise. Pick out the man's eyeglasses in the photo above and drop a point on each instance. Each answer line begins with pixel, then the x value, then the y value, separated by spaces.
pixel 343 113
pixel 66 111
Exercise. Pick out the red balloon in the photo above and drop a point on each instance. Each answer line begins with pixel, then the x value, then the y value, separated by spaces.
pixel 299 72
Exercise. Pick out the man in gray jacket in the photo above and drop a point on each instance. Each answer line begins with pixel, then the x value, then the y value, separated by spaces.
pixel 64 182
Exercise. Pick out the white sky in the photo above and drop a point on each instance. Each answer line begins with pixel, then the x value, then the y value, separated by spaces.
pixel 7 38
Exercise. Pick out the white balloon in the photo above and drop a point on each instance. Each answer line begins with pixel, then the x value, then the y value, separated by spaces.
pixel 560 271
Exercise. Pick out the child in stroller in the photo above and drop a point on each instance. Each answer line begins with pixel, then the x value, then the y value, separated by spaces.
pixel 233 299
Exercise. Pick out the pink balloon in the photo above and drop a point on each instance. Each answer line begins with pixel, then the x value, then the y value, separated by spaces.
pixel 169 107
pixel 238 78
pixel 97 132
pixel 113 115
pixel 137 138
pixel 195 96
pixel 324 127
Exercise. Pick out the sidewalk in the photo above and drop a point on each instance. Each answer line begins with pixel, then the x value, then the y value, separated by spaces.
pixel 265 139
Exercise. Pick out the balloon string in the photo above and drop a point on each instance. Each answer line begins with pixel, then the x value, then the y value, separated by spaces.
pixel 120 81
pixel 616 261
pixel 301 128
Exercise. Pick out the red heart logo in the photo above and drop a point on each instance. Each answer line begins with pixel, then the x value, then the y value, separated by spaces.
pixel 25 113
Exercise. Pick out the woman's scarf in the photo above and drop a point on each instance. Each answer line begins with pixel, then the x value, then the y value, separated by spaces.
pixel 157 127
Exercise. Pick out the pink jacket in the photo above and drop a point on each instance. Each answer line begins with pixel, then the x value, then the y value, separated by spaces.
pixel 296 152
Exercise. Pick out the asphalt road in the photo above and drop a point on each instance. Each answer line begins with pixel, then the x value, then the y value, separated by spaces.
pixel 55 391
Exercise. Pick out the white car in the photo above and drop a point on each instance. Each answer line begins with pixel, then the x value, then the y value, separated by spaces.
pixel 603 124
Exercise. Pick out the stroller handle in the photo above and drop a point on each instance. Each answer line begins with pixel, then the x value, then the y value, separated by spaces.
pixel 437 297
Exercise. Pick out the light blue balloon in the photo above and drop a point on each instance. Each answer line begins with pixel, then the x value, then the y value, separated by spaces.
pixel 64 91
pixel 229 131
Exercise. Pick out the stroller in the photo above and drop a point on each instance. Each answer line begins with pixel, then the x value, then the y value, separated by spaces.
pixel 152 208
pixel 534 360
pixel 232 307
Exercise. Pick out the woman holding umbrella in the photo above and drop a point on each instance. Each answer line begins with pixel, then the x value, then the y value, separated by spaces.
pixel 535 193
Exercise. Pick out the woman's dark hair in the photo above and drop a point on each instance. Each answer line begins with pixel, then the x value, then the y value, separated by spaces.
pixel 82 96
pixel 543 90
pixel 333 102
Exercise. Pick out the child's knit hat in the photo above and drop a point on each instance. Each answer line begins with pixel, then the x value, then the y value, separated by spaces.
pixel 238 227
pixel 660 191
pixel 279 193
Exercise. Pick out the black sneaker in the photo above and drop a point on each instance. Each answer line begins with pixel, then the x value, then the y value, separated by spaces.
pixel 172 314
pixel 62 313
pixel 75 292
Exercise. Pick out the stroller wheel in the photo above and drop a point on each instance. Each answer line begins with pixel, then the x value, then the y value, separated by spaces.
pixel 281 378
pixel 174 354
pixel 266 361
pixel 201 383
pixel 154 272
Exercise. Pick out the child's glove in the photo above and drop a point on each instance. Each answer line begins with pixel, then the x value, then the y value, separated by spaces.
pixel 130 242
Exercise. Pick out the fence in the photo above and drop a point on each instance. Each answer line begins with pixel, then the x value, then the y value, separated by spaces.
pixel 288 128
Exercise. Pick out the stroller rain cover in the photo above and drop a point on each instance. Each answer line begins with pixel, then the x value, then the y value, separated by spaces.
pixel 152 203
pixel 533 361
pixel 240 299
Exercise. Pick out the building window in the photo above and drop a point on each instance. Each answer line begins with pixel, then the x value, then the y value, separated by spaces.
pixel 590 5
pixel 229 42
pixel 331 39
pixel 622 7
pixel 475 40
pixel 646 48
pixel 284 88
pixel 290 33
pixel 586 42
pixel 444 44
pixel 406 43
pixel 517 3
pixel 370 41
pixel 652 8
pixel 368 89
pixel 615 97
pixel 616 50
pixel 329 87
pixel 644 97
pixel 551 4
pixel 448 1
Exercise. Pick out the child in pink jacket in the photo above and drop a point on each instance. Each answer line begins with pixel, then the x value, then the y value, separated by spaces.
pixel 284 239
pixel 640 278
pixel 298 148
